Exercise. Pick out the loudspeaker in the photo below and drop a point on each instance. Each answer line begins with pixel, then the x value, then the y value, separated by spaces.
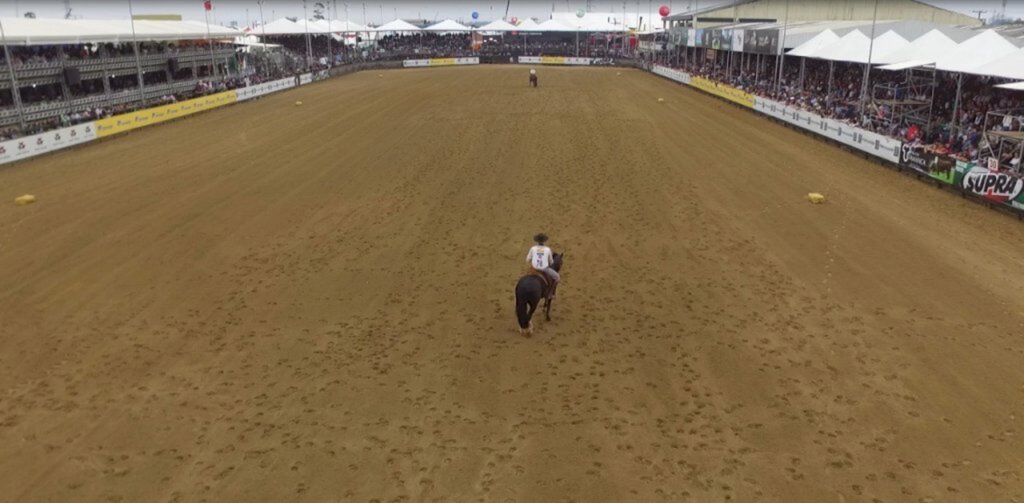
pixel 172 65
pixel 72 76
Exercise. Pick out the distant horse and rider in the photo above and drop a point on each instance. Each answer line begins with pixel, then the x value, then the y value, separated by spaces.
pixel 533 77
pixel 540 283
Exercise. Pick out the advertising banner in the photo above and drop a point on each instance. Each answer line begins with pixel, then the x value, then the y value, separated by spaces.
pixel 554 60
pixel 30 146
pixel 761 41
pixel 716 39
pixel 737 40
pixel 722 90
pixel 149 116
pixel 937 166
pixel 677 37
pixel 999 187
pixel 305 78
pixel 248 93
pixel 676 75
pixel 416 63
pixel 869 142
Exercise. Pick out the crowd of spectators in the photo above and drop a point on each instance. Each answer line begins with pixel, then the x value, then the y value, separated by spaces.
pixel 810 88
pixel 41 54
pixel 830 90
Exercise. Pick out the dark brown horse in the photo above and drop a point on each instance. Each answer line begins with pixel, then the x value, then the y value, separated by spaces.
pixel 533 79
pixel 530 290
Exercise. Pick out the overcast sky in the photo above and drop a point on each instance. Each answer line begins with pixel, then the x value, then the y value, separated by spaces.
pixel 226 11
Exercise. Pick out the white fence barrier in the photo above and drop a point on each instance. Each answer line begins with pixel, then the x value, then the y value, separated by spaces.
pixel 861 139
pixel 418 63
pixel 248 93
pixel 30 146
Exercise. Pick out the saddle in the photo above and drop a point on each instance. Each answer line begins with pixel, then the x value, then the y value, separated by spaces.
pixel 548 285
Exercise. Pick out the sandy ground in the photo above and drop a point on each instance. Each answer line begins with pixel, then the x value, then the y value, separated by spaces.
pixel 280 303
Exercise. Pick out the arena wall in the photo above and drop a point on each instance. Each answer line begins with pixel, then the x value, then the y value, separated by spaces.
pixel 969 178
pixel 50 141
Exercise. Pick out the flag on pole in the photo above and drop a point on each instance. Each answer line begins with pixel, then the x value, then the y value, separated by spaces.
pixel 208 4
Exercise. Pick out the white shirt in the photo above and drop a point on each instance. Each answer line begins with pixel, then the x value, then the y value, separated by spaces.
pixel 540 257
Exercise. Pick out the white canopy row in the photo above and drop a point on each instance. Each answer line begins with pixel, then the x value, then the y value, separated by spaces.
pixel 287 27
pixel 986 53
pixel 24 31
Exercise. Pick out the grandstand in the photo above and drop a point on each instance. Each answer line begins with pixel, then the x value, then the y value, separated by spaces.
pixel 60 72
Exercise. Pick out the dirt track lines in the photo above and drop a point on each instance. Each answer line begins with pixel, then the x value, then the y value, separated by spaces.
pixel 321 307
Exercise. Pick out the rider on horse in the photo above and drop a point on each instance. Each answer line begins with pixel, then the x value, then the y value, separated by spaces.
pixel 541 258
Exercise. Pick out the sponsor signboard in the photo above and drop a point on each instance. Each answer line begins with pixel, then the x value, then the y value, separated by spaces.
pixel 724 91
pixel 761 41
pixel 866 141
pixel 1000 187
pixel 554 60
pixel 149 116
pixel 676 75
pixel 248 93
pixel 716 39
pixel 30 146
pixel 737 40
pixel 417 63
pixel 677 37
pixel 305 78
pixel 937 166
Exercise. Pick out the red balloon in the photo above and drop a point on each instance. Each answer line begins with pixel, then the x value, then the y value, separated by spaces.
pixel 664 11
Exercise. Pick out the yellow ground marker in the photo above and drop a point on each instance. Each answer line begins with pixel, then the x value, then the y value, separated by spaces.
pixel 815 198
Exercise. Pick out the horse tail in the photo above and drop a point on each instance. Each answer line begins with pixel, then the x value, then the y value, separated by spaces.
pixel 522 312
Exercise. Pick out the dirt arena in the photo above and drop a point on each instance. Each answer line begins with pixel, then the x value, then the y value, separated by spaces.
pixel 280 303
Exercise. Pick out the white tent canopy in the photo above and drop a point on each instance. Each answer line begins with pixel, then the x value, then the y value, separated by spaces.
pixel 498 25
pixel 23 31
pixel 397 25
pixel 527 24
pixel 347 27
pixel 1010 66
pixel 976 51
pixel 552 25
pixel 815 44
pixel 447 26
pixel 928 47
pixel 856 47
pixel 282 26
pixel 1016 86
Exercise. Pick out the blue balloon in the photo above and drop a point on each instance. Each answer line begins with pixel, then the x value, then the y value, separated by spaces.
pixel 476 15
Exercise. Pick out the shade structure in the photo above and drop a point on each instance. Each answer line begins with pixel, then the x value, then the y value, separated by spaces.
pixel 1015 86
pixel 447 26
pixel 498 26
pixel 976 51
pixel 317 26
pixel 856 47
pixel 281 27
pixel 927 48
pixel 815 44
pixel 348 27
pixel 397 25
pixel 1010 66
pixel 553 26
pixel 41 31
pixel 527 24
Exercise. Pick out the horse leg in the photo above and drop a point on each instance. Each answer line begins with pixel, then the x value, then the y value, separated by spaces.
pixel 547 309
pixel 533 308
